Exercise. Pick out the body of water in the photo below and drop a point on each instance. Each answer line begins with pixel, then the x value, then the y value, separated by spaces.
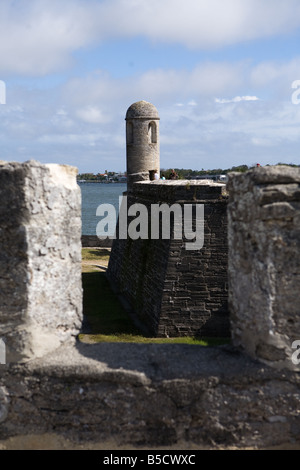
pixel 94 194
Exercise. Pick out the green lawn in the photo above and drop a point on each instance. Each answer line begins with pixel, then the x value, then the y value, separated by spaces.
pixel 106 317
pixel 95 254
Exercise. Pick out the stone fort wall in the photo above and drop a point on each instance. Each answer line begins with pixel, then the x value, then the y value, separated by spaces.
pixel 120 395
pixel 264 261
pixel 174 291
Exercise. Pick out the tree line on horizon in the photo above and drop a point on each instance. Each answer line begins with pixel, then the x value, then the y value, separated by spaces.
pixel 189 174
pixel 181 172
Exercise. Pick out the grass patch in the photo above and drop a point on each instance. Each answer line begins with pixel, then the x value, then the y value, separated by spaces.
pixel 95 254
pixel 126 338
pixel 107 320
pixel 102 308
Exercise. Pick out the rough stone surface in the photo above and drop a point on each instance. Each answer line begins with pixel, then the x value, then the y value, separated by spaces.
pixel 264 262
pixel 142 141
pixel 40 250
pixel 174 291
pixel 142 110
pixel 152 395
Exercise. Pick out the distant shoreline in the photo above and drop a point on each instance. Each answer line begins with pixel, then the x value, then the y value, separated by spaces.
pixel 100 182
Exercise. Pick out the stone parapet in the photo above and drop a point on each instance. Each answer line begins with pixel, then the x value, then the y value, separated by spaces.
pixel 40 269
pixel 240 395
pixel 150 396
pixel 264 262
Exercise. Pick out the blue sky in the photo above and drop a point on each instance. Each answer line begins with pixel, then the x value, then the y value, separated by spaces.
pixel 220 73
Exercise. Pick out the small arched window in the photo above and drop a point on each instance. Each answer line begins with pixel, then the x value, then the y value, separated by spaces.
pixel 129 133
pixel 152 132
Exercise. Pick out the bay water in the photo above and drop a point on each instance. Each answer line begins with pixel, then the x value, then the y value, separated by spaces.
pixel 93 195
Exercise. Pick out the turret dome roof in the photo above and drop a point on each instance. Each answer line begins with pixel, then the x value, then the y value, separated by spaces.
pixel 142 109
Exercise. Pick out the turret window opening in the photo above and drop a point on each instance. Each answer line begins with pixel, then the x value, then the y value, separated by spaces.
pixel 152 132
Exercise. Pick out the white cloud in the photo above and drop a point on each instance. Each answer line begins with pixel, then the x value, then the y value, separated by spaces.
pixel 61 112
pixel 102 91
pixel 263 142
pixel 199 23
pixel 237 99
pixel 93 88
pixel 39 36
pixel 92 114
pixel 82 122
pixel 78 139
pixel 276 77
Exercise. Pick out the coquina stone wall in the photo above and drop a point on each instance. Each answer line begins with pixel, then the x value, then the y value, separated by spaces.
pixel 148 396
pixel 172 290
pixel 112 396
pixel 40 267
pixel 264 261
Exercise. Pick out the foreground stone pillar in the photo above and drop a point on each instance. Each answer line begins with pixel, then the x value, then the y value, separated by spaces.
pixel 264 262
pixel 40 258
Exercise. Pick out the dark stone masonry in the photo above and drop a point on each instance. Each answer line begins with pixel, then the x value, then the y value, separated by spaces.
pixel 175 291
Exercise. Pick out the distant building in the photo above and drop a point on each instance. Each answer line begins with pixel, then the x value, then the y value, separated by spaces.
pixel 122 178
pixel 217 178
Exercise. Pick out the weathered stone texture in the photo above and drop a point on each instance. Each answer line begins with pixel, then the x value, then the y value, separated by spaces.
pixel 142 141
pixel 40 268
pixel 152 395
pixel 174 291
pixel 264 261
pixel 161 395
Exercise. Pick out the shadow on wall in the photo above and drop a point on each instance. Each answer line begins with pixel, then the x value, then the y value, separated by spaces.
pixel 170 361
pixel 108 317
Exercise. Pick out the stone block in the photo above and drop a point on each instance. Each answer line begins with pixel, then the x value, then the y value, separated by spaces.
pixel 40 258
pixel 264 262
